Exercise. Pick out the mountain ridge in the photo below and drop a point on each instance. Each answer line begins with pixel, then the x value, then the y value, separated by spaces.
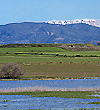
pixel 35 32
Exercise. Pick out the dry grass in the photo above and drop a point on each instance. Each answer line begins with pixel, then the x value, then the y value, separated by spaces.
pixel 74 70
pixel 61 69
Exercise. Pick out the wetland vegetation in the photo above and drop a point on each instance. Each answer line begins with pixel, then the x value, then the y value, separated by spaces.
pixel 61 94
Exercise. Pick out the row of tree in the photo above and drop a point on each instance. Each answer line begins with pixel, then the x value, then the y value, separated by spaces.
pixel 40 45
pixel 30 45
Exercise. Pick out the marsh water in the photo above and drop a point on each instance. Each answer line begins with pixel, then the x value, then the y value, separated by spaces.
pixel 22 102
pixel 66 84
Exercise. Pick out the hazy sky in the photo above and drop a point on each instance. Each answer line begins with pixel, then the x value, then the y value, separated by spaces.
pixel 46 10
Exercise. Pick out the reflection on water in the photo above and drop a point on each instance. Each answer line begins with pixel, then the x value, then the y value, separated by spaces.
pixel 12 102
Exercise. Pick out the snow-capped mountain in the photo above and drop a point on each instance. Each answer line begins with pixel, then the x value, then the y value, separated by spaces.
pixel 33 32
pixel 92 22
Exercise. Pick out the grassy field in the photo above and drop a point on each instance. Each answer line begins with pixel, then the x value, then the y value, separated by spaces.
pixel 62 70
pixel 62 94
pixel 45 50
pixel 31 49
pixel 52 63
pixel 19 59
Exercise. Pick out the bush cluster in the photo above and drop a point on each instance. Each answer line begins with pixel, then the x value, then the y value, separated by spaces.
pixel 31 45
pixel 11 71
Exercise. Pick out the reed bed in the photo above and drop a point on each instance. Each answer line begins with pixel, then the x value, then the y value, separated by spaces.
pixel 34 89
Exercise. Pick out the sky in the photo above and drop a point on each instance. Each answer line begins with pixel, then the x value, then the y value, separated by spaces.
pixel 15 11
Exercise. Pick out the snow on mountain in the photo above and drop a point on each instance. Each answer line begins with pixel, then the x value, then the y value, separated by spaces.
pixel 92 22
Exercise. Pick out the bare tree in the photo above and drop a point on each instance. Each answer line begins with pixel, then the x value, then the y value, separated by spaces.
pixel 11 70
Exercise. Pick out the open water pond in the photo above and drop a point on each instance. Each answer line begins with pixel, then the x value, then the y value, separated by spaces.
pixel 66 84
pixel 21 102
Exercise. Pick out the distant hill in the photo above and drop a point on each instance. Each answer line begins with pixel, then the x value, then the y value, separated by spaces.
pixel 32 32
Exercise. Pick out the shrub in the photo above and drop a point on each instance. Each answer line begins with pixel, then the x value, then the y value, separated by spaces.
pixel 77 56
pixel 57 54
pixel 7 53
pixel 41 53
pixel 65 55
pixel 11 71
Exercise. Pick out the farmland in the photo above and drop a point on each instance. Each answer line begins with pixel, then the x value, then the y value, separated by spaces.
pixel 53 61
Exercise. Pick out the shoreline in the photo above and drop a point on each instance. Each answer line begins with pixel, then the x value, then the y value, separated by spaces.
pixel 48 79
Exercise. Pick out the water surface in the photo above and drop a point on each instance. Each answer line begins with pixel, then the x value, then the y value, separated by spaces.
pixel 22 102
pixel 66 84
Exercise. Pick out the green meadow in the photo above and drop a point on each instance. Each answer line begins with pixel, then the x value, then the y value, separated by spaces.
pixel 19 59
pixel 31 49
pixel 46 51
pixel 53 61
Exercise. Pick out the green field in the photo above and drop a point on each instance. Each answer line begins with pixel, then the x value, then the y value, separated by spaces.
pixel 62 94
pixel 31 49
pixel 19 59
pixel 52 62
pixel 45 51
pixel 49 54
